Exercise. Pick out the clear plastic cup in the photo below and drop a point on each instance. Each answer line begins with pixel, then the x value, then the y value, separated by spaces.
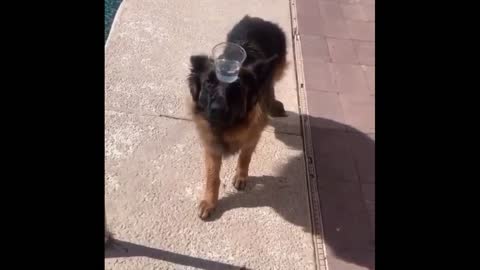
pixel 228 59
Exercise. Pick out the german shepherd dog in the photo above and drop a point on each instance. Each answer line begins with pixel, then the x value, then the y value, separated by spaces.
pixel 230 117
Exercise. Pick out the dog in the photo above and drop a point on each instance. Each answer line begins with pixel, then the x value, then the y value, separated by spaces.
pixel 230 117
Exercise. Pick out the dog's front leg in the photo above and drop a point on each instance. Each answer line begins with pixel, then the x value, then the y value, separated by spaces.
pixel 241 173
pixel 213 163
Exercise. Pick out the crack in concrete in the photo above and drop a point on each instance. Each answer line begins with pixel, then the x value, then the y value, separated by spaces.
pixel 190 120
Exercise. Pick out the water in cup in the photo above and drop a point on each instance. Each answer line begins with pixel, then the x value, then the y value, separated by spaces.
pixel 227 70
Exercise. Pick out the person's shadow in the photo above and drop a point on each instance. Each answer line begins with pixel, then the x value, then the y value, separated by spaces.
pixel 345 182
pixel 117 248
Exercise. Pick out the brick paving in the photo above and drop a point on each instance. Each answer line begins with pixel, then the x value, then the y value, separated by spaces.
pixel 338 46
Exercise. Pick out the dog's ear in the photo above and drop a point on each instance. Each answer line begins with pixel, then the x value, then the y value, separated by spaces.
pixel 248 79
pixel 194 85
pixel 199 64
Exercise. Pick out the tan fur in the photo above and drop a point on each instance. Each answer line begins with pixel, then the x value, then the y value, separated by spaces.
pixel 236 137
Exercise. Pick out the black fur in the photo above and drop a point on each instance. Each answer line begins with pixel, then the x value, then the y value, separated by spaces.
pixel 261 39
pixel 265 45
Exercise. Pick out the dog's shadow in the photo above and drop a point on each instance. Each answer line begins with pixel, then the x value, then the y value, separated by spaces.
pixel 345 164
pixel 262 191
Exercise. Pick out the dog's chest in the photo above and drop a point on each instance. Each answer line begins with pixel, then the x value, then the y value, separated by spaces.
pixel 231 143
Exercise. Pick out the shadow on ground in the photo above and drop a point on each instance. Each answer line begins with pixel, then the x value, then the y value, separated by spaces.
pixel 345 165
pixel 126 249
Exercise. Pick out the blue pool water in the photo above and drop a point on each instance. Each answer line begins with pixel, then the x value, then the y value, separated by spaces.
pixel 111 7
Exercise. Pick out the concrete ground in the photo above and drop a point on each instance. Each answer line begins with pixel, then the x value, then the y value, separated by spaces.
pixel 294 215
pixel 154 166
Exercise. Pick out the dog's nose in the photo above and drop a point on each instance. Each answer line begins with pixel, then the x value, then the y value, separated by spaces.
pixel 217 109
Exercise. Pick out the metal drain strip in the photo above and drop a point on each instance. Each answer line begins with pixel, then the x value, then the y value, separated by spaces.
pixel 311 175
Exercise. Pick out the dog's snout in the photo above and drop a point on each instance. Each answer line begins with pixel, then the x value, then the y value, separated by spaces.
pixel 217 109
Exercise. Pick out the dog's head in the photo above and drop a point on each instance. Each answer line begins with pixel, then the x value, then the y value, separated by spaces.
pixel 224 104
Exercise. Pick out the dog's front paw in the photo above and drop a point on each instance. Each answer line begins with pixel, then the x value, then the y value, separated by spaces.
pixel 239 182
pixel 205 208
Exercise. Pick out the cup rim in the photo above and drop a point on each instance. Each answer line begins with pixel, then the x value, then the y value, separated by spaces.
pixel 244 53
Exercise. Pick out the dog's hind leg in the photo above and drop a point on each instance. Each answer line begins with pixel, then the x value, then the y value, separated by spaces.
pixel 275 107
pixel 213 163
